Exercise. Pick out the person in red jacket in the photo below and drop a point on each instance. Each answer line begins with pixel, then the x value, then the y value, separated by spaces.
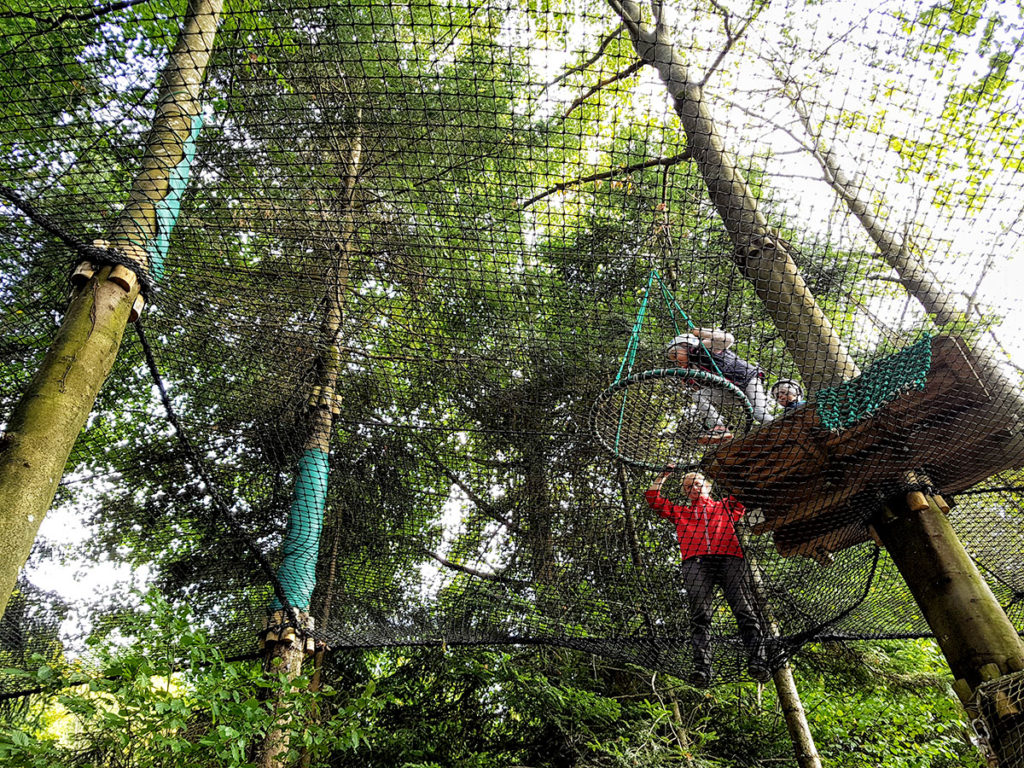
pixel 712 556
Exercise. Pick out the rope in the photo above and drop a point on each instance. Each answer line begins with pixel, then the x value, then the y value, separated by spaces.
pixel 222 508
pixel 86 251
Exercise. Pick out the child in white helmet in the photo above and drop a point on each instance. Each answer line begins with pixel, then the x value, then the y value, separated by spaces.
pixel 707 349
pixel 788 394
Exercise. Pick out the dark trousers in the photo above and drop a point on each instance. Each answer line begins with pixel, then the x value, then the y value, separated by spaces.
pixel 700 575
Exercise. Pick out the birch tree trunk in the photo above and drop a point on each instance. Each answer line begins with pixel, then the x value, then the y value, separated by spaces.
pixel 761 256
pixel 46 421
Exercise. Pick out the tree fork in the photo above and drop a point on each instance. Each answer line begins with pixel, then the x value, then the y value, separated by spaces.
pixel 46 421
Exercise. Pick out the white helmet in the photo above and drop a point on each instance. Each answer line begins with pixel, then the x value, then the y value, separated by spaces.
pixel 683 340
pixel 788 385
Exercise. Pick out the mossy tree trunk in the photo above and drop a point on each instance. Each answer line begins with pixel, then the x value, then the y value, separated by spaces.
pixel 975 635
pixel 47 420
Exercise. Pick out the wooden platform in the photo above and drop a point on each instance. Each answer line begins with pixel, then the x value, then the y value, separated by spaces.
pixel 817 489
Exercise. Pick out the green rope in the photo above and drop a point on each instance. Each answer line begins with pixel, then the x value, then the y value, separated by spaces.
pixel 633 345
pixel 634 338
pixel 853 401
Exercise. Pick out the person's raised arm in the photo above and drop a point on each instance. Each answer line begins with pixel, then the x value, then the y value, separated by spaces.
pixel 655 500
pixel 660 479
pixel 716 338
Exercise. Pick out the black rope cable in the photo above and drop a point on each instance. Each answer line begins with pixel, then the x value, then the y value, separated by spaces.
pixel 87 251
pixel 211 488
pixel 800 638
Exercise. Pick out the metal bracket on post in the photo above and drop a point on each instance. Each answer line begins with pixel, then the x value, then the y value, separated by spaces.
pixel 996 709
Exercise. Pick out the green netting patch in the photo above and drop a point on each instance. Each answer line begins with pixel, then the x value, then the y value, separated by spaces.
pixel 853 401
pixel 297 573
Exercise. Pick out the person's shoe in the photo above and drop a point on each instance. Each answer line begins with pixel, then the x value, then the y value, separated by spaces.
pixel 759 670
pixel 701 677
pixel 714 436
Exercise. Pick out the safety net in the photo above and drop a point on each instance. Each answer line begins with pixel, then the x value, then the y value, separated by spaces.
pixel 443 296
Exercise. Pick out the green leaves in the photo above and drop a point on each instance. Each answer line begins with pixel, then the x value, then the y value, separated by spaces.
pixel 170 697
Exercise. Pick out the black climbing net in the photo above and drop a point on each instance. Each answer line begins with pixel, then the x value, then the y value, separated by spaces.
pixel 435 221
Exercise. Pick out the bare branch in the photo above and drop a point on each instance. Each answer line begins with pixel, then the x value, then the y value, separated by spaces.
pixel 657 6
pixel 730 38
pixel 94 13
pixel 630 70
pixel 589 62
pixel 470 571
pixel 659 161
pixel 484 506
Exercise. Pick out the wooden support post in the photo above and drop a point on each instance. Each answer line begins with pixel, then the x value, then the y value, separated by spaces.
pixel 975 635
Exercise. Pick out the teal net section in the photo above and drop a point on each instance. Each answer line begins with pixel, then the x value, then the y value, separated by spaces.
pixel 853 401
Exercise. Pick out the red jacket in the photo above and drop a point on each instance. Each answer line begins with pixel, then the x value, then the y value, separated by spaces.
pixel 706 528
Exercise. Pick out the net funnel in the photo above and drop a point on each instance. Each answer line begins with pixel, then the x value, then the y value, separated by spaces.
pixel 669 416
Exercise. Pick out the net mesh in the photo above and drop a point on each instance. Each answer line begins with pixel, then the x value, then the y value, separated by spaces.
pixel 999 719
pixel 415 238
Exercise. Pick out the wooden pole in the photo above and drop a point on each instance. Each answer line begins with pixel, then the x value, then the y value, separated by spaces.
pixel 804 748
pixel 46 421
pixel 976 637
pixel 796 718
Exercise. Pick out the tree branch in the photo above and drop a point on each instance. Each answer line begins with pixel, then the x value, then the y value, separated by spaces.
pixel 470 571
pixel 730 38
pixel 580 67
pixel 631 69
pixel 484 506
pixel 659 161
pixel 93 13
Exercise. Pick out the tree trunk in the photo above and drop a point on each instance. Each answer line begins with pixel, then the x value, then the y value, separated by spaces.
pixel 305 519
pixel 796 718
pixel 46 421
pixel 761 256
pixel 284 658
pixel 785 684
pixel 978 640
pixel 894 248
